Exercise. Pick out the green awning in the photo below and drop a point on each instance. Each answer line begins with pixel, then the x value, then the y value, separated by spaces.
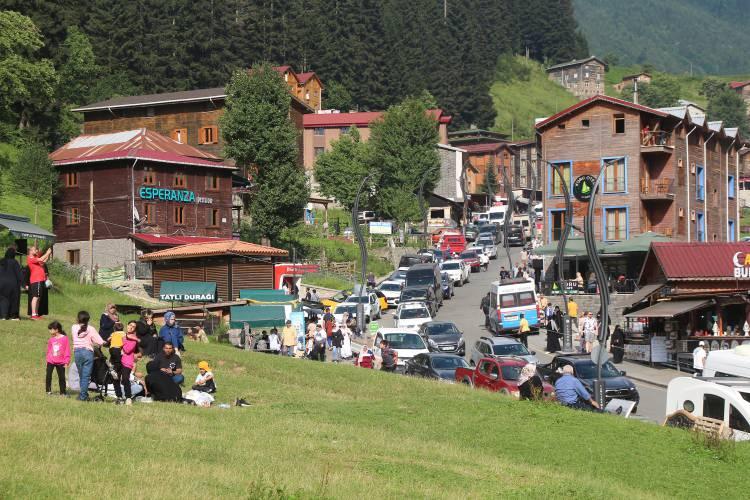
pixel 187 291
pixel 22 228
pixel 257 316
pixel 266 296
pixel 640 243
pixel 575 247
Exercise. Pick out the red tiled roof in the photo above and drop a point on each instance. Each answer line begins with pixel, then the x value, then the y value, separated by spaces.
pixel 131 144
pixel 596 99
pixel 163 240
pixel 738 85
pixel 221 247
pixel 303 77
pixel 698 261
pixel 360 119
pixel 283 69
pixel 486 147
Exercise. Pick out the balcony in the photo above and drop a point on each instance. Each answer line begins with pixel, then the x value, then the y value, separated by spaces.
pixel 657 190
pixel 659 142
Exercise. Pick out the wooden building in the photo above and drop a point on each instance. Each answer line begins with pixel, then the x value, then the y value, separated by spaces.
pixel 142 182
pixel 630 80
pixel 310 90
pixel 232 265
pixel 583 77
pixel 670 172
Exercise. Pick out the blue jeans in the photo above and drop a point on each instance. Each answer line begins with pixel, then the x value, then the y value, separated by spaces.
pixel 178 379
pixel 287 350
pixel 85 363
pixel 336 354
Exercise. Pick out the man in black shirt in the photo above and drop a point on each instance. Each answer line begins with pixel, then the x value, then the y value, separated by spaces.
pixel 170 363
pixel 390 357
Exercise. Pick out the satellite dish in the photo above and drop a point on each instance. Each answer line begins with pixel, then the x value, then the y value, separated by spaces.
pixel 598 355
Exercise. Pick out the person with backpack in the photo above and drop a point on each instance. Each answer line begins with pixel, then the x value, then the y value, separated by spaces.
pixel 85 337
pixel 337 339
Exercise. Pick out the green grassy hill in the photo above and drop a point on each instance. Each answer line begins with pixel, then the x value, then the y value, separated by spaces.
pixel 325 431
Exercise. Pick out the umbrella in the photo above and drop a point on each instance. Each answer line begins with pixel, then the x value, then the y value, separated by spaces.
pixel 640 243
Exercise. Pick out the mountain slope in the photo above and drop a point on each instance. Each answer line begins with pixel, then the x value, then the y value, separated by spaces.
pixel 711 35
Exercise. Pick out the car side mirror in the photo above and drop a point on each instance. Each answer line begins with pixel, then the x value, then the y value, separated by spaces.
pixel 533 353
pixel 623 372
pixel 493 376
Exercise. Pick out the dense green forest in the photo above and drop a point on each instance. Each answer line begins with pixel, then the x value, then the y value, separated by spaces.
pixel 705 36
pixel 378 51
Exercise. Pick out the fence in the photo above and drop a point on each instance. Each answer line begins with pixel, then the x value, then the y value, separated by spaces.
pixel 571 287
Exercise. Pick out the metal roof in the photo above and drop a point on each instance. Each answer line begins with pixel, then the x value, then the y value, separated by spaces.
pixel 222 247
pixel 698 261
pixel 21 227
pixel 361 119
pixel 165 240
pixel 669 309
pixel 597 99
pixel 155 99
pixel 576 62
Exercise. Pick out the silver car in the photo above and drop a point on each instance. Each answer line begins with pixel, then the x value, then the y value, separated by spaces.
pixel 492 347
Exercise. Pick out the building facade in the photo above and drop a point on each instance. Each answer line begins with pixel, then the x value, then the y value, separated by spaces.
pixel 630 80
pixel 668 172
pixel 583 77
pixel 142 183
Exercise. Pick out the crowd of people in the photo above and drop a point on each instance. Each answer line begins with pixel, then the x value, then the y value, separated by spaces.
pixel 34 278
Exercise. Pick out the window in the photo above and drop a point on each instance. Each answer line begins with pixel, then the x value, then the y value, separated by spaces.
pixel 344 130
pixel 179 215
pixel 209 135
pixel 619 123
pixel 179 135
pixel 319 151
pixel 437 213
pixel 700 226
pixel 73 216
pixel 149 212
pixel 508 300
pixel 585 123
pixel 212 182
pixel 73 257
pixel 700 183
pixel 737 421
pixel 71 179
pixel 730 187
pixel 526 299
pixel 561 126
pixel 213 217
pixel 558 223
pixel 615 223
pixel 615 175
pixel 555 188
pixel 680 172
pixel 713 406
pixel 150 111
pixel 730 230
pixel 149 177
pixel 180 180
pixel 319 131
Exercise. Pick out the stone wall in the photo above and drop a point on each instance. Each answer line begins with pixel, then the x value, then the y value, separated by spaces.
pixel 618 302
pixel 107 253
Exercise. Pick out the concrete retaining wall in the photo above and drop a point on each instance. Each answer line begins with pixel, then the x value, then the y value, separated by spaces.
pixel 618 302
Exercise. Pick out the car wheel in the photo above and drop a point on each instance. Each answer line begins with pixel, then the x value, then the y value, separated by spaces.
pixel 504 392
pixel 466 381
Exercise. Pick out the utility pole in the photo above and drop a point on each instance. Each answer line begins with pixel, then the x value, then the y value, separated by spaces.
pixel 635 91
pixel 91 230
pixel 445 9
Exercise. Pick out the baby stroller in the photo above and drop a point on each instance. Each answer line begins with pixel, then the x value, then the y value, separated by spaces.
pixel 102 375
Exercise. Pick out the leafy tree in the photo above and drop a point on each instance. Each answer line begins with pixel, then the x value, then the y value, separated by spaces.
pixel 33 175
pixel 728 106
pixel 261 138
pixel 611 59
pixel 663 91
pixel 490 184
pixel 340 171
pixel 710 87
pixel 79 71
pixel 400 203
pixel 337 96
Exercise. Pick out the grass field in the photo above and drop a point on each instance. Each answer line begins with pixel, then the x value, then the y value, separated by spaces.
pixel 318 431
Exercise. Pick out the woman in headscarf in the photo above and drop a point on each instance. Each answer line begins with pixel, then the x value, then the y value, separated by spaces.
pixel 107 321
pixel 553 330
pixel 171 332
pixel 146 331
pixel 346 348
pixel 10 285
pixel 529 383
pixel 617 345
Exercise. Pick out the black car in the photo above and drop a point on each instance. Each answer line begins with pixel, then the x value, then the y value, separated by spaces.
pixel 443 336
pixel 435 365
pixel 515 236
pixel 617 385
pixel 425 294
pixel 471 232
pixel 409 260
pixel 446 284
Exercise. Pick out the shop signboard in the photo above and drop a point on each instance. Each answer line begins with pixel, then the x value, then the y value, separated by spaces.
pixel 583 186
pixel 741 261
pixel 165 194
pixel 381 227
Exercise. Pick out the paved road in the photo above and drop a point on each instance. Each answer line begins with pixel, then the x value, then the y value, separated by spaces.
pixel 464 311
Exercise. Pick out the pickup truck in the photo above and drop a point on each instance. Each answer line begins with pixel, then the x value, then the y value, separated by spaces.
pixel 498 375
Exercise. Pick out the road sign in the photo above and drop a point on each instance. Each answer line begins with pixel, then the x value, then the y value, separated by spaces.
pixel 583 186
pixel 374 326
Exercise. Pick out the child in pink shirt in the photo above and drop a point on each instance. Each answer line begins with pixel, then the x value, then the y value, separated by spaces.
pixel 58 356
pixel 127 363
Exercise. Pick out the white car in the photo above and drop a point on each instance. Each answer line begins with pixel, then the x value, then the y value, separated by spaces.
pixel 484 258
pixel 457 270
pixel 399 275
pixel 370 301
pixel 392 291
pixel 411 315
pixel 406 343
pixel 490 249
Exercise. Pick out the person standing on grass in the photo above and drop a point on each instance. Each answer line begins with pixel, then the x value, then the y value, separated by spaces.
pixel 274 343
pixel 147 335
pixel 85 338
pixel 126 364
pixel 328 322
pixel 37 277
pixel 337 339
pixel 389 357
pixel 319 344
pixel 58 356
pixel 11 279
pixel 288 339
pixel 107 321
pixel 346 344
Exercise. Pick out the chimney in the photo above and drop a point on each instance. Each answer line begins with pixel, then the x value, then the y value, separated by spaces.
pixel 635 91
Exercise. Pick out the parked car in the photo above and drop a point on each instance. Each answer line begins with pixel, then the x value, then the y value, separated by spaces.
pixel 490 347
pixel 471 232
pixel 392 291
pixel 336 299
pixel 435 365
pixel 498 375
pixel 479 217
pixel 446 283
pixel 411 315
pixel 348 308
pixel 406 343
pixel 438 235
pixel 457 270
pixel 492 230
pixel 472 260
pixel 508 300
pixel 484 259
pixel 365 216
pixel 486 239
pixel 408 260
pixel 369 300
pixel 423 294
pixel 428 274
pixel 617 385
pixel 497 214
pixel 443 336
pixel 453 243
pixel 515 236
pixel 399 275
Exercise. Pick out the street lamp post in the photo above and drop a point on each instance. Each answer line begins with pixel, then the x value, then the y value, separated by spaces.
pixel 424 206
pixel 508 214
pixel 362 254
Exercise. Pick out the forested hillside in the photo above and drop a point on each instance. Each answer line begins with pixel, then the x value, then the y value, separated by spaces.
pixel 710 35
pixel 377 51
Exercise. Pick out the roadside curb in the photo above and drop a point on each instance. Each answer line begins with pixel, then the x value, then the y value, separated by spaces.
pixel 646 381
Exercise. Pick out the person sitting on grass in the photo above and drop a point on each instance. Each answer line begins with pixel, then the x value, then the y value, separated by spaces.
pixel 58 356
pixel 570 391
pixel 164 375
pixel 169 363
pixel 198 334
pixel 171 333
pixel 205 382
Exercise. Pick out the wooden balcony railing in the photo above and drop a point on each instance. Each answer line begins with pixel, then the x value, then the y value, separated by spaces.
pixel 659 189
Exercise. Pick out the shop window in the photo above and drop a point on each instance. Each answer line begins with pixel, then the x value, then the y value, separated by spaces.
pixel 319 151
pixel 149 176
pixel 73 257
pixel 730 187
pixel 713 406
pixel 344 130
pixel 73 216
pixel 209 135
pixel 438 213
pixel 179 135
pixel 213 217
pixel 212 182
pixel 71 179
pixel 618 123
pixel 180 180
pixel 615 223
pixel 615 175
pixel 555 187
pixel 319 131
pixel 179 215
pixel 149 212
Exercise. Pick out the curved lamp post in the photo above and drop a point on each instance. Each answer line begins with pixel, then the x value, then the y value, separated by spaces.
pixel 508 214
pixel 362 253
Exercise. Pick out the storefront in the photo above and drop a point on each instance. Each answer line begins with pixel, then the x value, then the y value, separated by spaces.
pixel 693 292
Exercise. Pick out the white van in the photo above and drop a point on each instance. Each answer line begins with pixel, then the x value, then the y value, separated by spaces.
pixel 508 300
pixel 497 214
pixel 728 363
pixel 482 216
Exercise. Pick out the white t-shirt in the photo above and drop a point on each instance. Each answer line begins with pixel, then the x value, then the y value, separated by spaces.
pixel 699 358
pixel 273 342
pixel 201 379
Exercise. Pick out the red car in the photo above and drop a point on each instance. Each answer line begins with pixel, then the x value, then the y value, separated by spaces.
pixel 498 375
pixel 453 243
pixel 471 259
pixel 438 235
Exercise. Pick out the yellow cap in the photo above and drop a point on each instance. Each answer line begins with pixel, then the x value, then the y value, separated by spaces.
pixel 203 365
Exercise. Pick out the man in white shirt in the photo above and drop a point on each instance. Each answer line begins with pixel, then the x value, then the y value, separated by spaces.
pixel 699 359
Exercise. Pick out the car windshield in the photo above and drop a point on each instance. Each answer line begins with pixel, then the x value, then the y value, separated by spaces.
pixel 398 275
pixel 443 329
pixel 405 341
pixel 497 215
pixel 451 265
pixel 745 396
pixel 511 372
pixel 352 310
pixel 510 350
pixel 417 312
pixel 488 228
pixel 340 297
pixel 390 287
pixel 449 363
pixel 358 298
pixel 468 255
pixel 587 369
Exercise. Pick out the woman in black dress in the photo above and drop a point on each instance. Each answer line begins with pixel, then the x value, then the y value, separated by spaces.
pixel 10 285
pixel 617 345
pixel 145 330
pixel 529 383
pixel 554 327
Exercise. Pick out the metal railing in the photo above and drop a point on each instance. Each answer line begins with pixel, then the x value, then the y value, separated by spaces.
pixel 658 187
pixel 571 287
pixel 656 138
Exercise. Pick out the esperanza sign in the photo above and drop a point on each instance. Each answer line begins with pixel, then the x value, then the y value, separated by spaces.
pixel 164 194
pixel 741 261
